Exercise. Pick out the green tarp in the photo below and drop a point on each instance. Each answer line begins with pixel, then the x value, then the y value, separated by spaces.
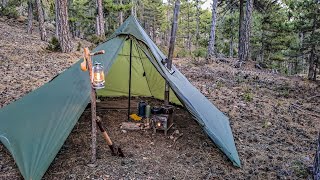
pixel 35 127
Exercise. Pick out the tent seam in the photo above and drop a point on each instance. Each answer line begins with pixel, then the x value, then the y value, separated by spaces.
pixel 144 70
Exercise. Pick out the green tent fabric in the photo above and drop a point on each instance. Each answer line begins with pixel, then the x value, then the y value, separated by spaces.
pixel 35 127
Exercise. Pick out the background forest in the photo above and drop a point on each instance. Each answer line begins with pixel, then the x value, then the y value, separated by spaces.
pixel 250 58
pixel 282 35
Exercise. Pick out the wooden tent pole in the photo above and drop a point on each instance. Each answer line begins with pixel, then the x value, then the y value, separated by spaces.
pixel 93 109
pixel 96 120
pixel 130 59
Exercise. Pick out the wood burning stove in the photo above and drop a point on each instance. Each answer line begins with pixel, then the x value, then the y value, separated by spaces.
pixel 163 121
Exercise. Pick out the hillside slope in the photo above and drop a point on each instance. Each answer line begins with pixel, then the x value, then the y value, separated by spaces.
pixel 275 121
pixel 25 64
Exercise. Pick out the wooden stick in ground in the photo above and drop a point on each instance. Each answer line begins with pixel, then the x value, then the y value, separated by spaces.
pixel 93 110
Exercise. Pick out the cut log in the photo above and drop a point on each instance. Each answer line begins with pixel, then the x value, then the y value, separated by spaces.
pixel 131 126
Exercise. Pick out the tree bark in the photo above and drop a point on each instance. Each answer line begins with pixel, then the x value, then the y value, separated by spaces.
pixel 197 23
pixel 262 46
pixel 99 19
pixel 78 30
pixel 43 34
pixel 171 46
pixel 56 18
pixel 173 33
pixel 316 66
pixel 312 66
pixel 241 34
pixel 30 17
pixel 63 26
pixel 98 32
pixel 154 29
pixel 133 8
pixel 231 36
pixel 188 23
pixel 4 3
pixel 244 45
pixel 249 10
pixel 312 61
pixel 121 14
pixel 213 31
pixel 168 19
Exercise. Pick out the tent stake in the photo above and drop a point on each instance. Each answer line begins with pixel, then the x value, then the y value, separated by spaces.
pixel 129 104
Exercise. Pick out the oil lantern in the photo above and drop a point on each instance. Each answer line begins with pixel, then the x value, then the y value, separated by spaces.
pixel 97 76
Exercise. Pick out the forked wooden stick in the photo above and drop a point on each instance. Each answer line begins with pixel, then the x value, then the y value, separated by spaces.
pixel 95 120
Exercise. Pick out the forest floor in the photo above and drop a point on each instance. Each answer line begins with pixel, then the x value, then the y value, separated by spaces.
pixel 275 120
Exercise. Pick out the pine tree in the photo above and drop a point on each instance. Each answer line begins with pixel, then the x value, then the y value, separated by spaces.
pixel 305 15
pixel 63 26
pixel 244 46
pixel 100 19
pixel 43 34
pixel 120 13
pixel 213 31
pixel 30 17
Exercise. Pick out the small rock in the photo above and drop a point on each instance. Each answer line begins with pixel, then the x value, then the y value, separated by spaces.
pixel 123 163
pixel 72 176
pixel 124 131
pixel 171 137
pixel 176 131
pixel 92 165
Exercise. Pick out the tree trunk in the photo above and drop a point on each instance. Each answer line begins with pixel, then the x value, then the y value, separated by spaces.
pixel 4 3
pixel 301 59
pixel 189 35
pixel 312 69
pixel 173 33
pixel 63 26
pixel 248 19
pixel 56 18
pixel 244 47
pixel 98 26
pixel 133 8
pixel 213 31
pixel 168 19
pixel 154 37
pixel 78 30
pixel 231 36
pixel 174 28
pixel 312 61
pixel 241 37
pixel 30 17
pixel 316 66
pixel 197 23
pixel 231 47
pixel 43 33
pixel 121 14
pixel 99 19
pixel 262 46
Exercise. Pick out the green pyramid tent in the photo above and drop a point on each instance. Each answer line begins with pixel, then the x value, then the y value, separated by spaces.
pixel 35 127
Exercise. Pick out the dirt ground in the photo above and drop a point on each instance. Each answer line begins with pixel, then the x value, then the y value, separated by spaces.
pixel 274 119
pixel 25 64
